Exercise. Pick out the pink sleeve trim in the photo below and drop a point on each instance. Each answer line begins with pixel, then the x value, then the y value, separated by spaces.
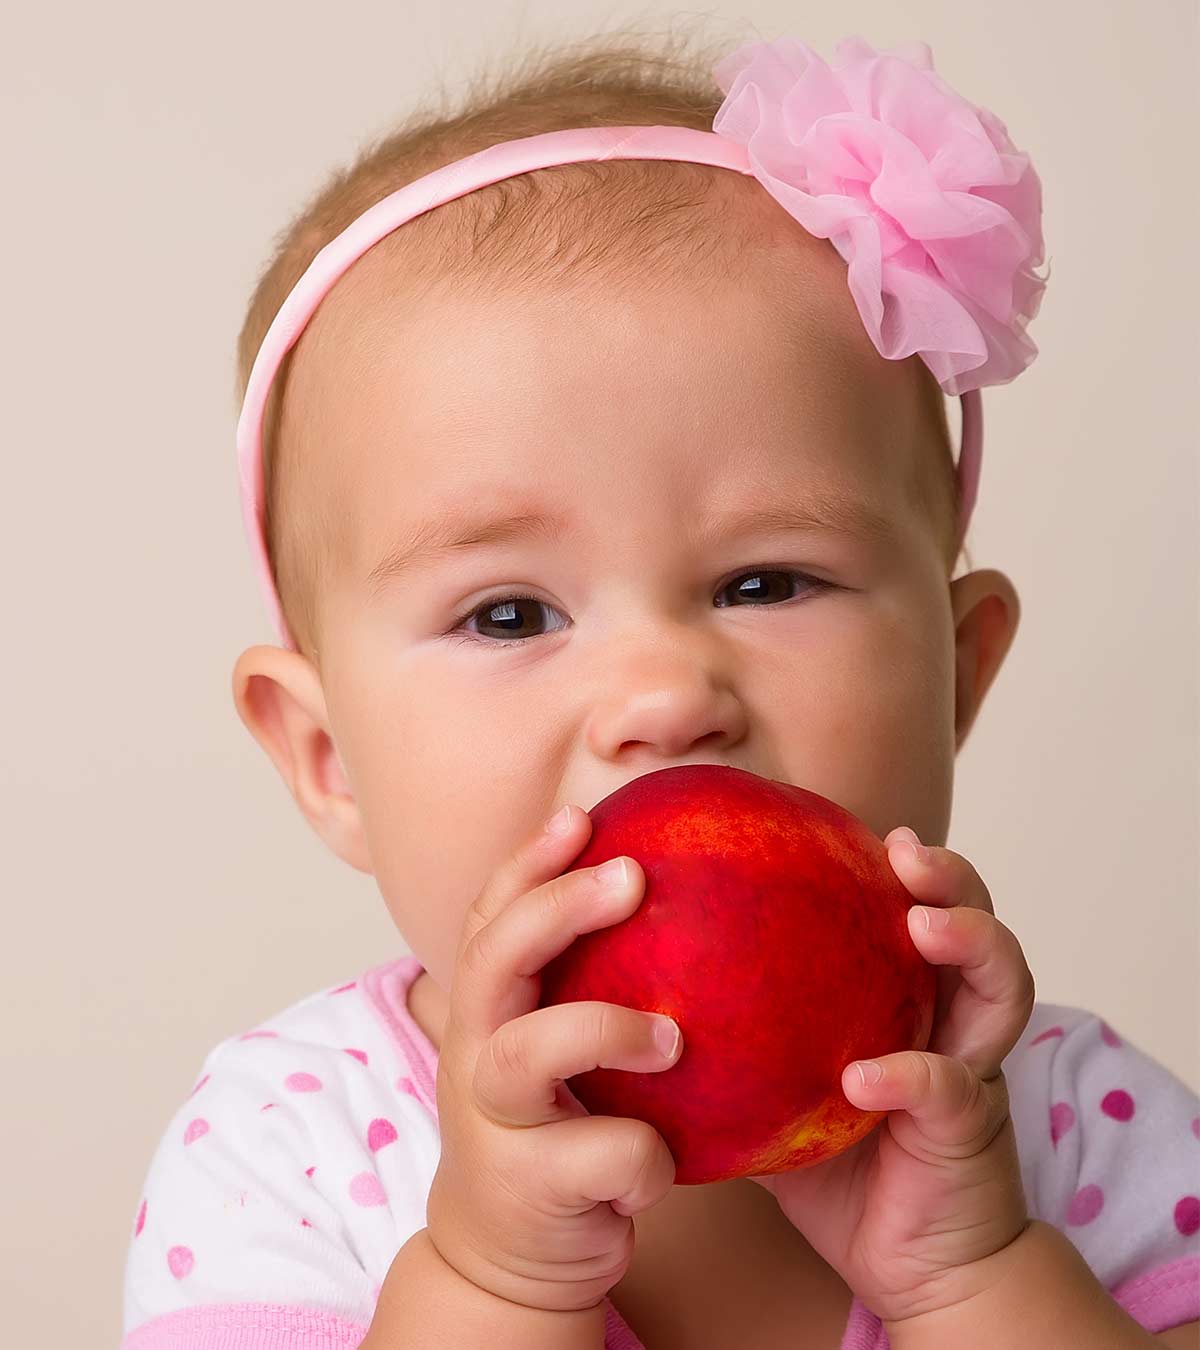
pixel 618 1334
pixel 864 1331
pixel 246 1326
pixel 273 1326
pixel 1163 1298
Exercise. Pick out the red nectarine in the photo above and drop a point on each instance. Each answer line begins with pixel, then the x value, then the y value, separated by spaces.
pixel 773 930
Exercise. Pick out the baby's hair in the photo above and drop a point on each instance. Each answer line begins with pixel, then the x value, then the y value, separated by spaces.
pixel 619 219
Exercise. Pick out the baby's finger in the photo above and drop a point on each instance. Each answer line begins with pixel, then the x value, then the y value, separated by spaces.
pixel 994 999
pixel 590 1159
pixel 935 876
pixel 497 977
pixel 543 854
pixel 955 1113
pixel 523 1066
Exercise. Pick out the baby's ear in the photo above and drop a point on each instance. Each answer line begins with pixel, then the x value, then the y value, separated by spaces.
pixel 280 699
pixel 986 611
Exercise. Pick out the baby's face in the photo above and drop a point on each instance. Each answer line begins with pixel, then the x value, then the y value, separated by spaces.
pixel 651 619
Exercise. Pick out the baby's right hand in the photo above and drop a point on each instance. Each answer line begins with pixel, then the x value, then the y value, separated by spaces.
pixel 520 1203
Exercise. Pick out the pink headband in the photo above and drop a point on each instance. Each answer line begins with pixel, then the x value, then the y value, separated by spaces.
pixel 936 213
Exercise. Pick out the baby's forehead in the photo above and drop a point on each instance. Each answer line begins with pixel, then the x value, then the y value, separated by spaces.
pixel 408 402
pixel 777 324
pixel 738 248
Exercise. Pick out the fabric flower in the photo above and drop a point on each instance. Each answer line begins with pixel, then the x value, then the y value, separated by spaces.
pixel 935 211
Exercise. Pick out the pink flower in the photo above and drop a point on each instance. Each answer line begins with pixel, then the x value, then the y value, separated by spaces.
pixel 933 208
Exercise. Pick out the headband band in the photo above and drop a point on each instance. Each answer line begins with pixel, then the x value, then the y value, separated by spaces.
pixel 969 329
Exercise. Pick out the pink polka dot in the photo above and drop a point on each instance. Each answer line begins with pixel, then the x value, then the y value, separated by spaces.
pixel 406 1085
pixel 367 1190
pixel 1187 1215
pixel 379 1133
pixel 250 1035
pixel 1062 1117
pixel 196 1129
pixel 180 1261
pixel 341 989
pixel 304 1223
pixel 141 1220
pixel 1108 1035
pixel 1046 1035
pixel 360 1055
pixel 302 1082
pixel 1196 1126
pixel 1086 1203
pixel 308 1171
pixel 267 1106
pixel 1118 1104
pixel 199 1085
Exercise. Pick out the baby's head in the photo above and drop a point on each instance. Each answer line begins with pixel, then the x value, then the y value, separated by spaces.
pixel 731 521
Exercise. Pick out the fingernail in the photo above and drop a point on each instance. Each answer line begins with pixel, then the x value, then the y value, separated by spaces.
pixel 869 1071
pixel 666 1037
pixel 932 918
pixel 559 824
pixel 613 873
pixel 911 849
pixel 909 838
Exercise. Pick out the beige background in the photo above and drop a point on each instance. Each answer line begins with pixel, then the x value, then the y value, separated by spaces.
pixel 162 891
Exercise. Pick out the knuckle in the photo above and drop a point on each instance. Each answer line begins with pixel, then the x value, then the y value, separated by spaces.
pixel 974 883
pixel 477 955
pixel 970 873
pixel 972 1095
pixel 992 1111
pixel 979 928
pixel 602 1029
pixel 918 1068
pixel 1026 985
pixel 982 1110
pixel 1001 1108
pixel 988 937
pixel 507 1054
pixel 480 911
pixel 1006 946
pixel 996 1090
pixel 558 897
pixel 1026 993
pixel 638 1148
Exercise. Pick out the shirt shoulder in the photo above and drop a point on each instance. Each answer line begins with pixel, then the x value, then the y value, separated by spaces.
pixel 1109 1146
pixel 295 1169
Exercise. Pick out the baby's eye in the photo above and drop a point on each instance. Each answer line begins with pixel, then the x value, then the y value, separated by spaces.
pixel 512 615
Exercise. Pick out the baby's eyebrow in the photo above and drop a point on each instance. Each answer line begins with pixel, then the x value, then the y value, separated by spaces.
pixel 445 534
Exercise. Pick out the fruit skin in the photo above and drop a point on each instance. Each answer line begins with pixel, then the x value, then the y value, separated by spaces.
pixel 773 930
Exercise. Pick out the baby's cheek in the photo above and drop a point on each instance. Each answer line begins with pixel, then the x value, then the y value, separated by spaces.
pixel 876 731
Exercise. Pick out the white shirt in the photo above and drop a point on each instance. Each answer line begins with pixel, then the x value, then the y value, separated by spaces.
pixel 300 1164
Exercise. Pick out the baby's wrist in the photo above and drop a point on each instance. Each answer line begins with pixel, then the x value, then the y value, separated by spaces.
pixel 955 1291
pixel 1023 1295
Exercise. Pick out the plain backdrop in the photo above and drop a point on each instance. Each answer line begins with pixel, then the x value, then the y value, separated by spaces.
pixel 162 891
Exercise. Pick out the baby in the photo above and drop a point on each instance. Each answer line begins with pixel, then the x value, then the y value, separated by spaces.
pixel 525 464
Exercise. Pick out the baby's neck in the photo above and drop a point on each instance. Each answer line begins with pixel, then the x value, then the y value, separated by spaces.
pixel 429 1007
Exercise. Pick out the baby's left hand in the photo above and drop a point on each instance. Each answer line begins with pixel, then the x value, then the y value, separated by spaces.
pixel 906 1213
